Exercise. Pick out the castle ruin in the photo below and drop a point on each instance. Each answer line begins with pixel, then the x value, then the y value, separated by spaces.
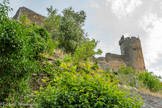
pixel 131 55
pixel 31 15
pixel 131 50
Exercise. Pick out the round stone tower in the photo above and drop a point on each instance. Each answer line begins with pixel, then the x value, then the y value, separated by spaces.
pixel 132 52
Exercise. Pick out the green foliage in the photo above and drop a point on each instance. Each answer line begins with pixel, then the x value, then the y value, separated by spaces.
pixel 51 45
pixel 63 84
pixel 67 29
pixel 16 58
pixel 95 66
pixel 38 39
pixel 67 58
pixel 58 62
pixel 71 89
pixel 20 95
pixel 86 51
pixel 51 23
pixel 24 20
pixel 126 70
pixel 150 81
pixel 79 17
pixel 127 76
pixel 4 9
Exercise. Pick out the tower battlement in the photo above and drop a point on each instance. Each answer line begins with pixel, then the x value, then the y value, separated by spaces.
pixel 127 39
pixel 131 55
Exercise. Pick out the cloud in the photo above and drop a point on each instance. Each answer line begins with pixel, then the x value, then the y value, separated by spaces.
pixel 94 4
pixel 152 25
pixel 122 8
pixel 148 22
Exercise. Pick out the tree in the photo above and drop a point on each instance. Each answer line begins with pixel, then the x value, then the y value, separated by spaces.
pixel 51 23
pixel 69 30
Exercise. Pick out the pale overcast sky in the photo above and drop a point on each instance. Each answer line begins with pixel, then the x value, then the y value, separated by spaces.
pixel 107 20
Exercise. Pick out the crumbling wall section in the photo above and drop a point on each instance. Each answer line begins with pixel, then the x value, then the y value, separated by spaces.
pixel 114 61
pixel 31 15
pixel 111 61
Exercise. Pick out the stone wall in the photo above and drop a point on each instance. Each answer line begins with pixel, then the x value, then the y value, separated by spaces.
pixel 132 51
pixel 31 15
pixel 131 55
pixel 111 61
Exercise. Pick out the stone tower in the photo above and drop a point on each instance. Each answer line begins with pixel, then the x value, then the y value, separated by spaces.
pixel 132 52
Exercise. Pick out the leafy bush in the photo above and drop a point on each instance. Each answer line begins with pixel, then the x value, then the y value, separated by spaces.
pixel 51 46
pixel 16 58
pixel 127 76
pixel 126 70
pixel 21 95
pixel 24 20
pixel 71 89
pixel 67 58
pixel 86 51
pixel 38 38
pixel 150 81
pixel 95 66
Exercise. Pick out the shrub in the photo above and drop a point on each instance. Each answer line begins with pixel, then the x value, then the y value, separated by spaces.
pixel 38 38
pixel 127 76
pixel 71 89
pixel 150 81
pixel 24 20
pixel 95 66
pixel 126 70
pixel 86 51
pixel 67 58
pixel 16 58
pixel 21 95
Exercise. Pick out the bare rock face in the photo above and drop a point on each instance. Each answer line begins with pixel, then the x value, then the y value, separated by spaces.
pixel 31 15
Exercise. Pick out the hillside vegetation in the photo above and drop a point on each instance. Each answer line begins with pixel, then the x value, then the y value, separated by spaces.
pixel 50 66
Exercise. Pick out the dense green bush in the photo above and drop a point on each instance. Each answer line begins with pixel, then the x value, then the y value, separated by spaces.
pixel 150 81
pixel 16 55
pixel 38 38
pixel 78 89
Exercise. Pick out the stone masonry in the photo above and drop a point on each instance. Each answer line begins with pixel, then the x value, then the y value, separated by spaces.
pixel 131 55
pixel 31 15
pixel 131 50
